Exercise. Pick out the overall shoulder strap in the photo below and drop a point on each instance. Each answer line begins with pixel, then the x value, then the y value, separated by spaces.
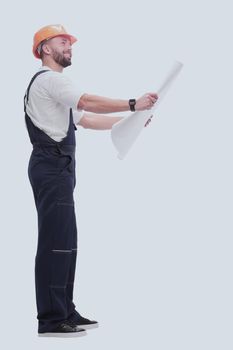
pixel 29 86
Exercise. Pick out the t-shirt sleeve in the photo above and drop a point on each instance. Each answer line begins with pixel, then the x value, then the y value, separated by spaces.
pixel 77 115
pixel 63 90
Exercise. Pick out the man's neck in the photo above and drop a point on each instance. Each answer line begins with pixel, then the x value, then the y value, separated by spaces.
pixel 53 65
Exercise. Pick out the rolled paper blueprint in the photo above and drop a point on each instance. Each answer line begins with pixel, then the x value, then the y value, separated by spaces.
pixel 125 132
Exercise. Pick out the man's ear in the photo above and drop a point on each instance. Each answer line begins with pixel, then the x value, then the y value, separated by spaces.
pixel 46 49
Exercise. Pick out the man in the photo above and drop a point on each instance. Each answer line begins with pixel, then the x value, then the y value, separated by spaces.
pixel 54 107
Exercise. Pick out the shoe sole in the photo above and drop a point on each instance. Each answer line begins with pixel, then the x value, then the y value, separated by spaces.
pixel 63 335
pixel 89 326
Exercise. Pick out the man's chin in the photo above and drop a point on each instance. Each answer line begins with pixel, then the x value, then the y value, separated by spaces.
pixel 66 63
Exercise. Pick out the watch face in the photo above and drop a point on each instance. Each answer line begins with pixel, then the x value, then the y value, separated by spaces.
pixel 132 103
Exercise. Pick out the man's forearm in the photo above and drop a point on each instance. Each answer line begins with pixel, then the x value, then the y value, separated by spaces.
pixel 102 122
pixel 100 104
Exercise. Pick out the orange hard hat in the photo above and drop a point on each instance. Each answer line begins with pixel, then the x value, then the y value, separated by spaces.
pixel 49 32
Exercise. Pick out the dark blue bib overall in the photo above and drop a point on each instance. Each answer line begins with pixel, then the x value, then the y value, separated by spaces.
pixel 51 171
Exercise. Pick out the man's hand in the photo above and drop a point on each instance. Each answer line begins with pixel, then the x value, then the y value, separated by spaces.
pixel 146 101
pixel 148 121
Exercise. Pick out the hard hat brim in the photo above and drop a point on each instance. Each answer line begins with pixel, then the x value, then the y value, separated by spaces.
pixel 72 38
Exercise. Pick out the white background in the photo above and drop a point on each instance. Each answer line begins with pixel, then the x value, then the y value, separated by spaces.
pixel 155 229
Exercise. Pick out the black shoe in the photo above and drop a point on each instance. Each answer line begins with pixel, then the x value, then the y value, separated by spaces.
pixel 85 323
pixel 65 329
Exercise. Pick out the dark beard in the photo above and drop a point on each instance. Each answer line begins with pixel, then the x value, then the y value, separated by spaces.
pixel 60 59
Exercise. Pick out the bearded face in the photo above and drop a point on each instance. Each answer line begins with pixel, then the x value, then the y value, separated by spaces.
pixel 59 48
pixel 63 58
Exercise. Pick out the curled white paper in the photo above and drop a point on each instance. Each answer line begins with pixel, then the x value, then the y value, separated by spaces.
pixel 125 132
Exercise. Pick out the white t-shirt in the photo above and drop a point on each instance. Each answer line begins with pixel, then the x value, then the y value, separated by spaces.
pixel 51 96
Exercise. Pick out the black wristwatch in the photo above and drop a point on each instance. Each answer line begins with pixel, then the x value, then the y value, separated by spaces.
pixel 132 103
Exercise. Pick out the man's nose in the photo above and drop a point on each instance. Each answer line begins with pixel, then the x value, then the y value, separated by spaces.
pixel 69 49
pixel 68 45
